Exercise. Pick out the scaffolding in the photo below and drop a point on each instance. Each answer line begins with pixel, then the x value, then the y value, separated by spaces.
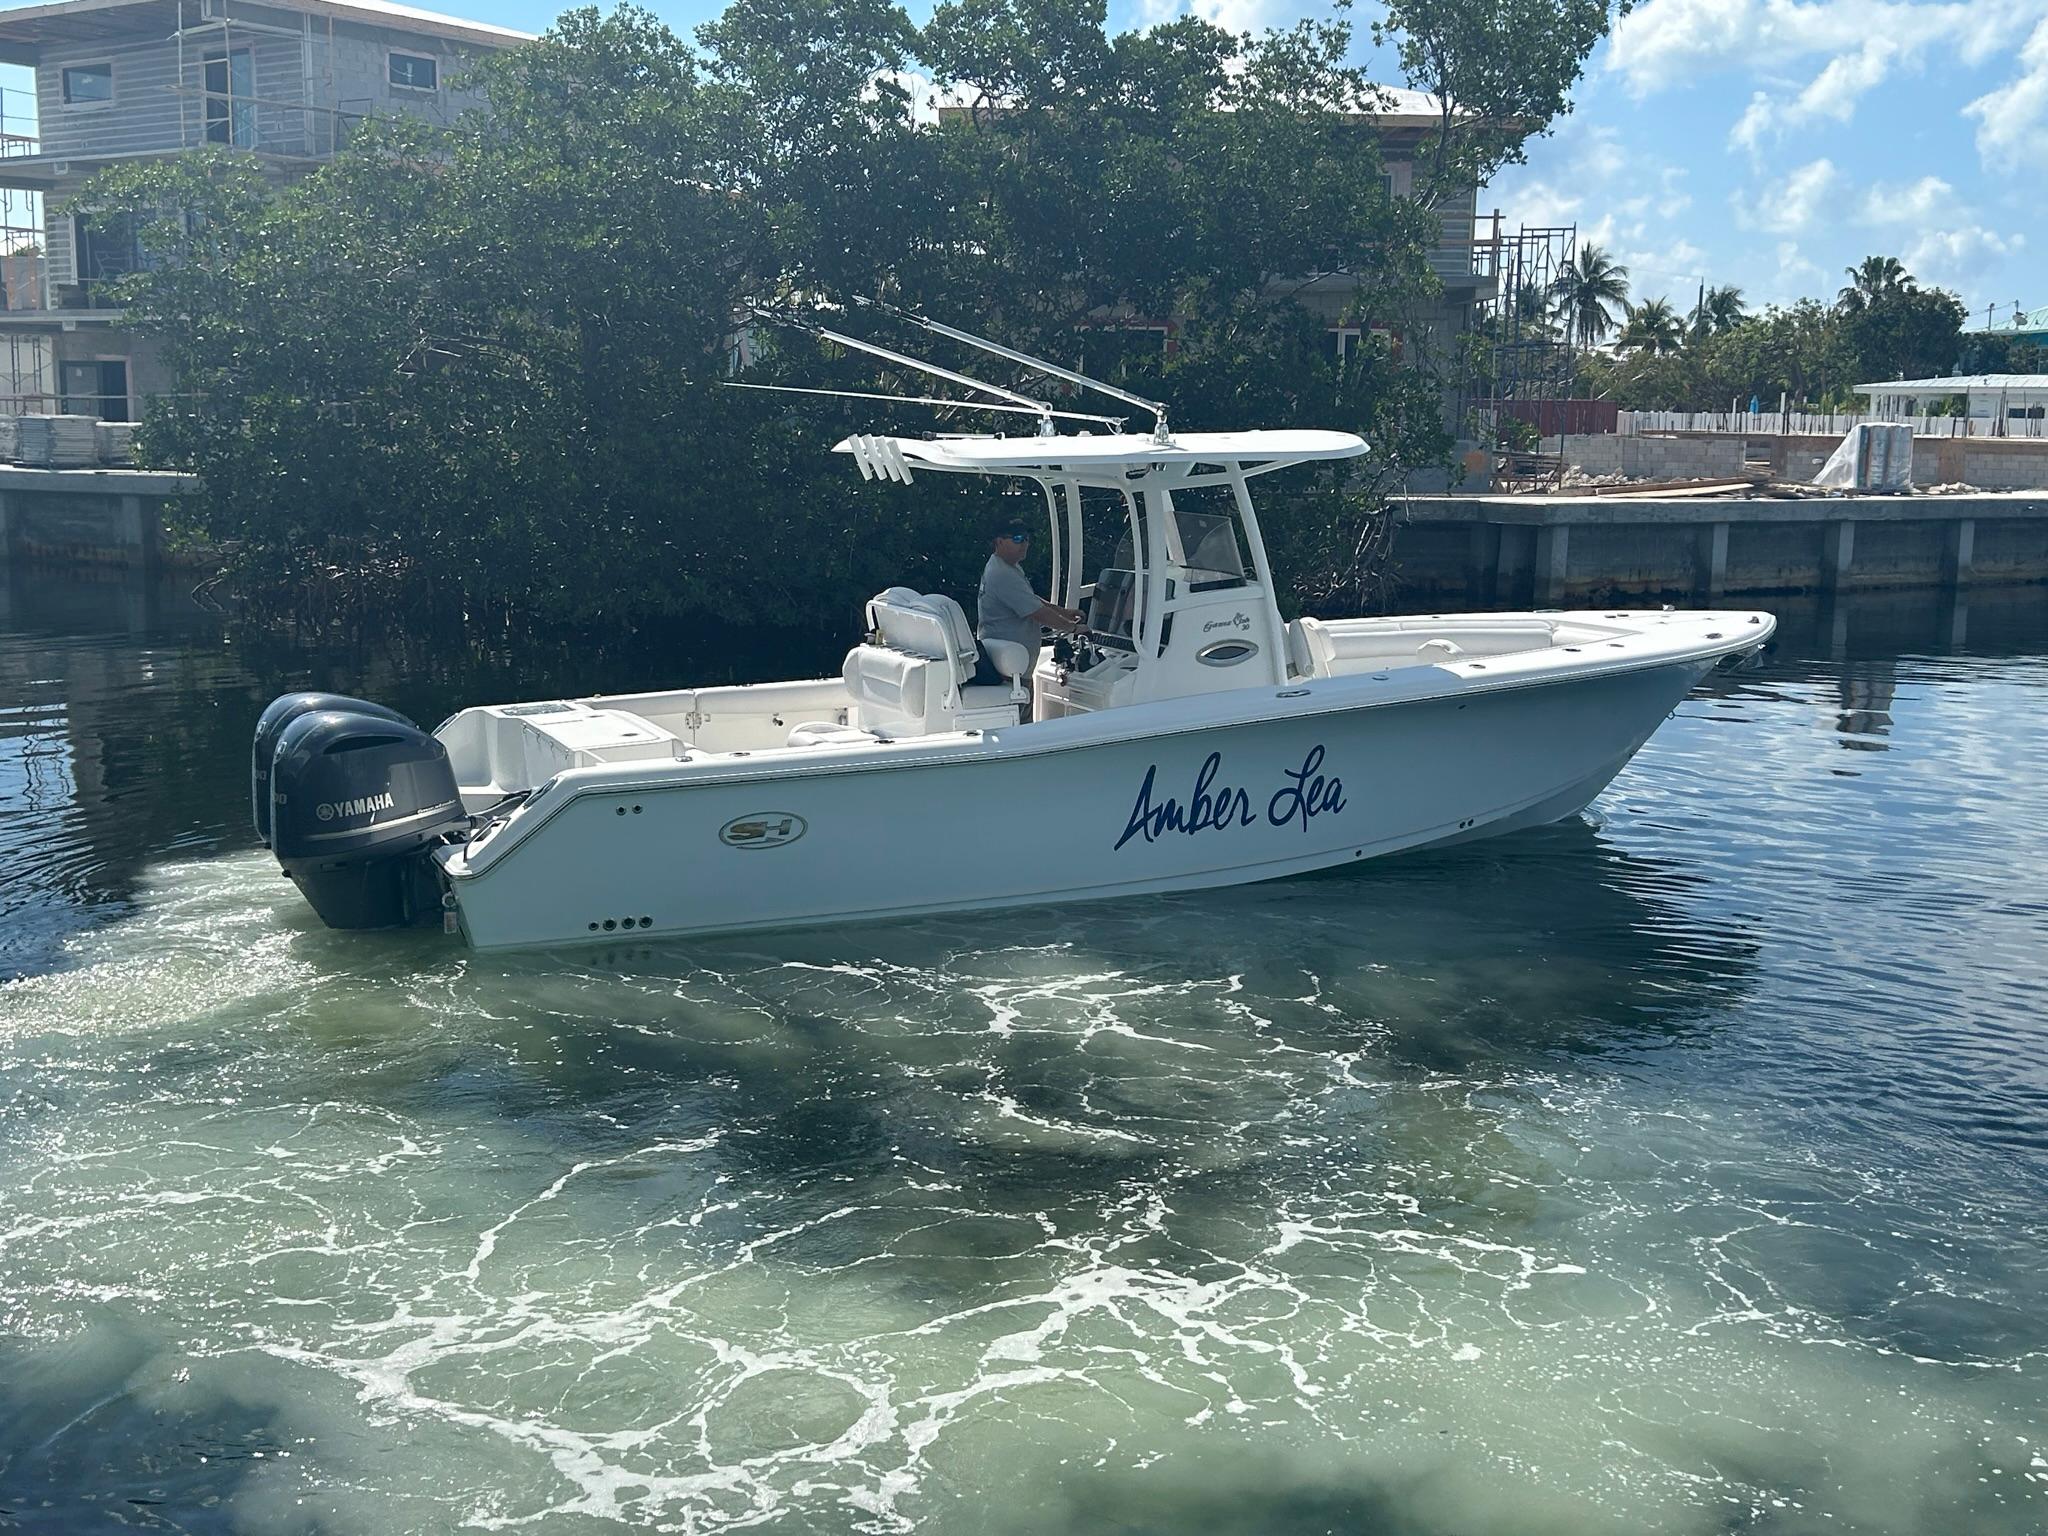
pixel 1525 366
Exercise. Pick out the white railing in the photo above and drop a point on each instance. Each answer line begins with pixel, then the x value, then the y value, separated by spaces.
pixel 1820 424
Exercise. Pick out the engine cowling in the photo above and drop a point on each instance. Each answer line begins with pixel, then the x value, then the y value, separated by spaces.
pixel 283 710
pixel 356 802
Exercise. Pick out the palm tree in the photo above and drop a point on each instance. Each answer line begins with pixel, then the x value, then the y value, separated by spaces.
pixel 1872 279
pixel 1590 283
pixel 1533 314
pixel 1721 309
pixel 1653 327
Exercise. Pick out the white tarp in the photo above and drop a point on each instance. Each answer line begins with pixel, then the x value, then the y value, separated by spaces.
pixel 1873 456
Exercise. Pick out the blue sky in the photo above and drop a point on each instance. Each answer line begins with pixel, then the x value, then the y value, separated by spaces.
pixel 1763 143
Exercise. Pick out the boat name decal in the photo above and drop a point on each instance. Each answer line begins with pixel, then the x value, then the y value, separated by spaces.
pixel 328 810
pixel 763 829
pixel 1305 794
pixel 1237 621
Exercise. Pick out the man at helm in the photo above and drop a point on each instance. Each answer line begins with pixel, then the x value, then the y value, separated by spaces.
pixel 1008 609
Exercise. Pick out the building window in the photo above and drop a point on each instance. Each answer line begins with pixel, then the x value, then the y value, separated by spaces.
pixel 413 72
pixel 88 85
pixel 1343 340
pixel 230 99
pixel 98 387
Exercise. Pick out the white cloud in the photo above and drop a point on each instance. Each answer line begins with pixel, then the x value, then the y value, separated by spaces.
pixel 1240 15
pixel 1754 123
pixel 1910 204
pixel 1954 257
pixel 1796 205
pixel 1947 243
pixel 1672 272
pixel 1663 42
pixel 2012 120
pixel 1859 43
pixel 1795 272
pixel 1592 174
pixel 1835 91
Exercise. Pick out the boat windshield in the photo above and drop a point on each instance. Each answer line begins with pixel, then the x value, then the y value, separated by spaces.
pixel 1211 554
pixel 1113 605
pixel 1206 553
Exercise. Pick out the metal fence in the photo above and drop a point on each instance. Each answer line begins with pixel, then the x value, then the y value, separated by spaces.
pixel 1823 423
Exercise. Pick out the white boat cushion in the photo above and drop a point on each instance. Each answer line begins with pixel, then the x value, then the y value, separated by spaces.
pixel 1008 658
pixel 927 624
pixel 966 650
pixel 1310 652
pixel 907 695
pixel 828 733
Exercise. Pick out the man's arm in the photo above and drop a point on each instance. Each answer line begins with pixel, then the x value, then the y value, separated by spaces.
pixel 1058 618
pixel 1012 589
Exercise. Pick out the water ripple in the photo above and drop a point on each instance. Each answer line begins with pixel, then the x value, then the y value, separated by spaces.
pixel 1677 1169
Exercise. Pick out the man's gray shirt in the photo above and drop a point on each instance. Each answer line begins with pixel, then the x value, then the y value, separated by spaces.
pixel 1004 609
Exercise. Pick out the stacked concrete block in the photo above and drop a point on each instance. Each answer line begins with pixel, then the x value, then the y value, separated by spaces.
pixel 57 442
pixel 115 441
pixel 1656 458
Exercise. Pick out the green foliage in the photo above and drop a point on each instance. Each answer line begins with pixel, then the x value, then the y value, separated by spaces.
pixel 1500 73
pixel 1883 325
pixel 1912 333
pixel 1720 310
pixel 477 370
pixel 1652 327
pixel 1589 290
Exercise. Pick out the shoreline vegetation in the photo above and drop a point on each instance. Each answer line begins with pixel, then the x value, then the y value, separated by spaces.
pixel 474 371
pixel 1647 355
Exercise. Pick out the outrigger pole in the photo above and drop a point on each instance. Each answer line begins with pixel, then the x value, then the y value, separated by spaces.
pixel 1039 408
pixel 1157 409
pixel 1021 403
pixel 963 405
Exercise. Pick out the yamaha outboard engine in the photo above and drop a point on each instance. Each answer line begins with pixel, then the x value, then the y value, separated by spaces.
pixel 283 710
pixel 358 797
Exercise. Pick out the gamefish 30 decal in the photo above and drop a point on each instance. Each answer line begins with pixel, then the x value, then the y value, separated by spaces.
pixel 1305 793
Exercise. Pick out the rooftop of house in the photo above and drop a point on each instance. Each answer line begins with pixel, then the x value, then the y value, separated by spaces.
pixel 26 30
pixel 2029 384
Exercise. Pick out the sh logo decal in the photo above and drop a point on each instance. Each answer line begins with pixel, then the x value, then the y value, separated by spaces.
pixel 763 829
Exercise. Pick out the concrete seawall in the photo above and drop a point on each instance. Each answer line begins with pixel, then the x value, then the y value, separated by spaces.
pixel 86 516
pixel 1550 550
pixel 1476 551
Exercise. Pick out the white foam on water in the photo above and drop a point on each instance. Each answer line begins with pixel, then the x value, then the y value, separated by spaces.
pixel 898 1229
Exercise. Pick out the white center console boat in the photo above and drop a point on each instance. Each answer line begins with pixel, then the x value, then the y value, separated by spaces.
pixel 1189 737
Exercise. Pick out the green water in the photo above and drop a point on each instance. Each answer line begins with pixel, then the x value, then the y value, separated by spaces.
pixel 1679 1169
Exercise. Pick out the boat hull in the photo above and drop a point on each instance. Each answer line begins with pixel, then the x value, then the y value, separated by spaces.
pixel 1026 823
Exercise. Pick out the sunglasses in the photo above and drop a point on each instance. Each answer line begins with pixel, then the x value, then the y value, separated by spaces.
pixel 1015 538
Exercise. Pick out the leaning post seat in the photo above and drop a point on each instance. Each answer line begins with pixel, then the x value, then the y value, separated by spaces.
pixel 910 678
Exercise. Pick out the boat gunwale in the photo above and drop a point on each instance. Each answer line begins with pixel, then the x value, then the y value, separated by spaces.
pixel 1306 699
